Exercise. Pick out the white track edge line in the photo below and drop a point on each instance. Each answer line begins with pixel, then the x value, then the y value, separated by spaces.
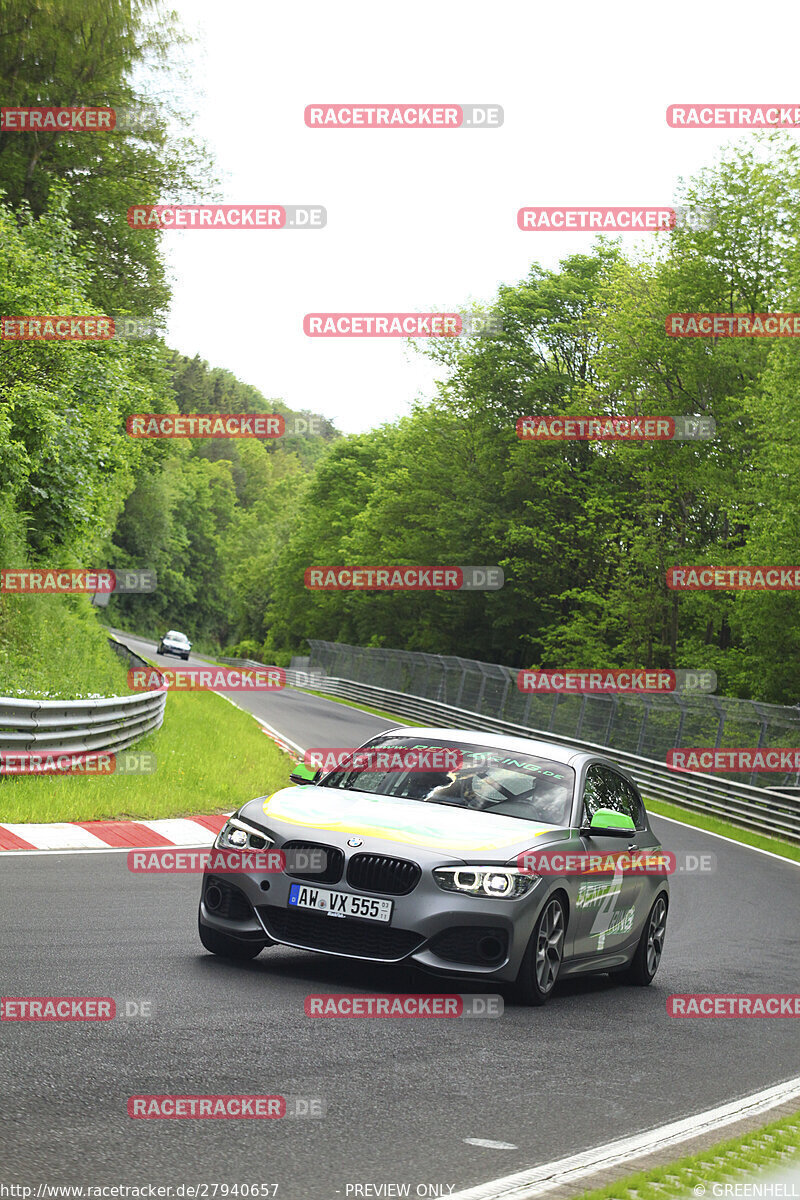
pixel 525 1185
pixel 793 862
pixel 298 749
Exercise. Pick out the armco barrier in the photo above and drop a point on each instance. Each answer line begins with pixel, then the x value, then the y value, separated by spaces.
pixel 107 724
pixel 754 808
pixel 648 725
pixel 765 810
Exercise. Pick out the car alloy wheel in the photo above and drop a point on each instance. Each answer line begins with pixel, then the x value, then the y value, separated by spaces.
pixel 549 946
pixel 644 964
pixel 656 929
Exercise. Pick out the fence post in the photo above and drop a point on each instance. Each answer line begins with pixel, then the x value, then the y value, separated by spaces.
pixel 612 716
pixel 643 725
pixel 579 726
pixel 761 737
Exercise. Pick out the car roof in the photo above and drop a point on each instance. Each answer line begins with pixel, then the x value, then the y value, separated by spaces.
pixel 499 741
pixel 175 633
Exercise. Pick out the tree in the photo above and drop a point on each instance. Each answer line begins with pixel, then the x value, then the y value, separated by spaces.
pixel 76 53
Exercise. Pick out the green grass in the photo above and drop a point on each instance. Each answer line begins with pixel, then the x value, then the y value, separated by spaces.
pixel 771 1148
pixel 54 648
pixel 376 712
pixel 747 837
pixel 211 757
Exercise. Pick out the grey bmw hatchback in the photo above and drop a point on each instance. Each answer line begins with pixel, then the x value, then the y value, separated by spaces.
pixel 470 855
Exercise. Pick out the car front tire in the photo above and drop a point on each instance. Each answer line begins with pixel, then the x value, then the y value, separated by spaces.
pixel 225 946
pixel 644 963
pixel 541 964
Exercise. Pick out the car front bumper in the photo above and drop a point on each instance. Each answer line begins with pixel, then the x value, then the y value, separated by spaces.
pixel 438 931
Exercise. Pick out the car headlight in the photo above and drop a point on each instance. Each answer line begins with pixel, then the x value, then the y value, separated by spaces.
pixel 500 883
pixel 238 835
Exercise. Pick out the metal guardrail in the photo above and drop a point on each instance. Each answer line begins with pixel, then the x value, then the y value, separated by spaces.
pixel 106 724
pixel 241 662
pixel 761 809
pixel 753 808
pixel 648 725
pixel 304 677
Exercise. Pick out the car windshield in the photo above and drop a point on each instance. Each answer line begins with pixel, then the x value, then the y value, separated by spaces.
pixel 464 775
pixel 177 637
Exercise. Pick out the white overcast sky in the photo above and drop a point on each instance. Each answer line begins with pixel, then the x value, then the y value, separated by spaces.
pixel 426 220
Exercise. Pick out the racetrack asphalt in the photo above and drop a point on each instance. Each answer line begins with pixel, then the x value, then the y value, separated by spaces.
pixel 599 1062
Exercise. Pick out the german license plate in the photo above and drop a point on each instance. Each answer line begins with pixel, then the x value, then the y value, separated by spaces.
pixel 339 904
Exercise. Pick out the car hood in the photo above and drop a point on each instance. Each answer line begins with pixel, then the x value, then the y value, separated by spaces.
pixel 408 822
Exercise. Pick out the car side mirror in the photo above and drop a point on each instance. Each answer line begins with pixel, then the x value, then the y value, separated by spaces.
pixel 304 774
pixel 607 823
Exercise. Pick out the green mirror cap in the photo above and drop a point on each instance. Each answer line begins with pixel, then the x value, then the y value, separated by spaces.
pixel 304 771
pixel 607 818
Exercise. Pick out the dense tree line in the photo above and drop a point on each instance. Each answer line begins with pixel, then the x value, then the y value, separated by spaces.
pixel 584 531
pixel 75 489
pixel 213 517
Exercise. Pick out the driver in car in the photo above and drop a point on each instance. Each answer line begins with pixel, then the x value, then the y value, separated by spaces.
pixel 474 786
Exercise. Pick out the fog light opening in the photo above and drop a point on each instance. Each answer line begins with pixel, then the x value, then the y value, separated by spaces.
pixel 213 897
pixel 490 948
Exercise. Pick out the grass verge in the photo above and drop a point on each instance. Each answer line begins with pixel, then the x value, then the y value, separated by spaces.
pixel 376 712
pixel 52 647
pixel 713 825
pixel 210 756
pixel 772 1148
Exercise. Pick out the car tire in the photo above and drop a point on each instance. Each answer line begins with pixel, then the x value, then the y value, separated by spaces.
pixel 644 964
pixel 160 649
pixel 225 946
pixel 541 963
pixel 185 657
